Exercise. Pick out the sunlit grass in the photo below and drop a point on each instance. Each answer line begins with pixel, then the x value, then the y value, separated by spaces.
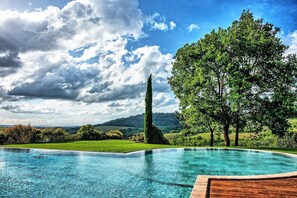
pixel 121 146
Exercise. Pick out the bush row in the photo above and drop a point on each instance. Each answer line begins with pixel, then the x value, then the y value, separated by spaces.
pixel 263 139
pixel 22 134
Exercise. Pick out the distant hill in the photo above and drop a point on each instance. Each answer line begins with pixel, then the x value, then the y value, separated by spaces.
pixel 131 125
pixel 159 119
pixel 165 121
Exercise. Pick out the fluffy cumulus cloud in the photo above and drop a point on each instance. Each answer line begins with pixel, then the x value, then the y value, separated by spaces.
pixel 78 54
pixel 192 27
pixel 158 22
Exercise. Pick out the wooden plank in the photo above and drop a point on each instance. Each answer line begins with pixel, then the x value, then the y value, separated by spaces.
pixel 237 188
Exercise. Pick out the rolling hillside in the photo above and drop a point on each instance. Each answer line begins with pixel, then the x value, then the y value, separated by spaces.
pixel 134 124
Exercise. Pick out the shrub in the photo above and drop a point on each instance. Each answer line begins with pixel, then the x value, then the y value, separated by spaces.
pixel 114 134
pixel 139 137
pixel 190 141
pixel 263 139
pixel 199 137
pixel 88 132
pixel 3 138
pixel 53 135
pixel 288 141
pixel 19 134
pixel 186 133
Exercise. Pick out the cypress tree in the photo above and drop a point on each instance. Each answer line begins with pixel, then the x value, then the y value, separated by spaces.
pixel 148 115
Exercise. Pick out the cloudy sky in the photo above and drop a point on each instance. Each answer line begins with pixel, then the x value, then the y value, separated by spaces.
pixel 65 63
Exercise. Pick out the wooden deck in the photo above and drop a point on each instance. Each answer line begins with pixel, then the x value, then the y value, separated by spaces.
pixel 263 186
pixel 285 187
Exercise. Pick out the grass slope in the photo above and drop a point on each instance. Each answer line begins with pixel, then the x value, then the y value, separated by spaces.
pixel 119 146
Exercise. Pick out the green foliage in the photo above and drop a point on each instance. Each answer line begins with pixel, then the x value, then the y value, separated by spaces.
pixel 247 140
pixel 187 132
pixel 54 135
pixel 190 141
pixel 235 76
pixel 152 134
pixel 288 141
pixel 157 136
pixel 88 132
pixel 3 138
pixel 263 139
pixel 293 125
pixel 27 134
pixel 148 114
pixel 114 134
pixel 139 137
pixel 18 134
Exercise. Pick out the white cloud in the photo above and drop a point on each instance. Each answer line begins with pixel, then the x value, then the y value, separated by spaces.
pixel 32 109
pixel 160 26
pixel 172 25
pixel 158 22
pixel 291 41
pixel 74 62
pixel 120 80
pixel 192 27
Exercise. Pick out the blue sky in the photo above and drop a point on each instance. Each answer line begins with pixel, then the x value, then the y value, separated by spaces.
pixel 86 61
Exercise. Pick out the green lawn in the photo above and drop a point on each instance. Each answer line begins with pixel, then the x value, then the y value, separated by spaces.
pixel 170 136
pixel 119 146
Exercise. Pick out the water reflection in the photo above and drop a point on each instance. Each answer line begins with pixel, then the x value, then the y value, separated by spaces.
pixel 2 164
pixel 148 172
pixel 15 150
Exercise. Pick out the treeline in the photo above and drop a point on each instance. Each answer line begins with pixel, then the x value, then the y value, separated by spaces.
pixel 22 134
pixel 167 121
pixel 251 140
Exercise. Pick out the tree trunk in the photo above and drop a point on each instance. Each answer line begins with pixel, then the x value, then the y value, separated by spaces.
pixel 236 135
pixel 226 134
pixel 211 137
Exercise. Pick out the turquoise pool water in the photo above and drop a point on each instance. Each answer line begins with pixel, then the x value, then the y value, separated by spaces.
pixel 160 173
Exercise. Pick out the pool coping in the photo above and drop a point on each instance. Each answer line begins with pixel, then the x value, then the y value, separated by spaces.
pixel 143 152
pixel 148 150
pixel 201 187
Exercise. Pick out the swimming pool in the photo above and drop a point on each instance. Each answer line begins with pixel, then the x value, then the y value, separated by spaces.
pixel 157 173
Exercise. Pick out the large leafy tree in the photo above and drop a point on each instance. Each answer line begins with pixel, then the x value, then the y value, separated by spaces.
pixel 237 74
pixel 200 76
